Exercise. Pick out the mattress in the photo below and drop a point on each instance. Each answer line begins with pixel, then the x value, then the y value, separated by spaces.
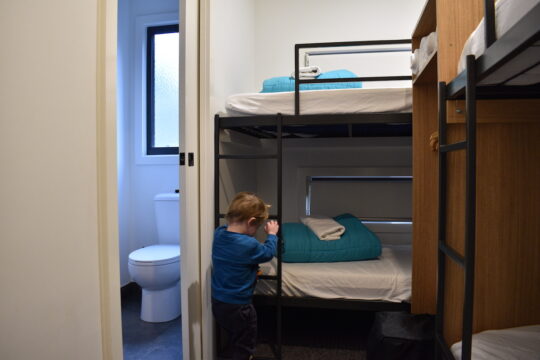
pixel 507 14
pixel 336 101
pixel 387 278
pixel 521 343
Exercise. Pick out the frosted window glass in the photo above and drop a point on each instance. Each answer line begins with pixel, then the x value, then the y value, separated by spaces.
pixel 166 64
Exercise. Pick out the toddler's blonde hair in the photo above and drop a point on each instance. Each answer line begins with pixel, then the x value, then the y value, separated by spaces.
pixel 246 205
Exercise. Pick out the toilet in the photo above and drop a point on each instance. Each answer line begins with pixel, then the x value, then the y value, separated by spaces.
pixel 156 268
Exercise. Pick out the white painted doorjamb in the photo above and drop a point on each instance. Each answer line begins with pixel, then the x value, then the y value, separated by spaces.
pixel 190 279
pixel 111 323
pixel 206 138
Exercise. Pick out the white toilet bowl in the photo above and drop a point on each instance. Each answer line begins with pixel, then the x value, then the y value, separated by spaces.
pixel 156 269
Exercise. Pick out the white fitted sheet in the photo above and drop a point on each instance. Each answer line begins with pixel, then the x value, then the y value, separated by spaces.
pixel 507 14
pixel 336 101
pixel 387 278
pixel 521 343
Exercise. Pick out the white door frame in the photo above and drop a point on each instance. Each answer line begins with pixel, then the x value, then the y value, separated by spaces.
pixel 206 180
pixel 189 180
pixel 111 325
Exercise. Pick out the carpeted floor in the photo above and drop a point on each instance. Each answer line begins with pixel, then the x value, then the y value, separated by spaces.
pixel 315 334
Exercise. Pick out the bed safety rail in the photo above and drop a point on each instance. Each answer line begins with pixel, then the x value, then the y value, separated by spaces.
pixel 298 81
pixel 498 53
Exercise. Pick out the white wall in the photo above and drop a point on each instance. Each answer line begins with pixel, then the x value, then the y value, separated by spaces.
pixel 282 23
pixel 140 177
pixel 252 40
pixel 232 56
pixel 50 307
pixel 341 157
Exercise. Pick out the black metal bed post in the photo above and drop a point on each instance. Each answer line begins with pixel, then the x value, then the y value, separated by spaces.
pixel 441 258
pixel 280 239
pixel 216 171
pixel 296 79
pixel 216 204
pixel 489 22
pixel 470 209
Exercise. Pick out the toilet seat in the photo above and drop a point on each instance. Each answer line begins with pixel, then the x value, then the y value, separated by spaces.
pixel 154 255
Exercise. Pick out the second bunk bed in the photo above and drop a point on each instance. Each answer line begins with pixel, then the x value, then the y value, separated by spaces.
pixel 500 61
pixel 376 285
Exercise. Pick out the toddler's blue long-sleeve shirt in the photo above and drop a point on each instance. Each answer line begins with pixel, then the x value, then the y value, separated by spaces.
pixel 234 259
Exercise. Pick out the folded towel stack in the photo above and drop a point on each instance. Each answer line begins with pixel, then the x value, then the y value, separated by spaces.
pixel 324 227
pixel 428 45
pixel 308 72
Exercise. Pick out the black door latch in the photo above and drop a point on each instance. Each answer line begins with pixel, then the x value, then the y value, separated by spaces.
pixel 191 159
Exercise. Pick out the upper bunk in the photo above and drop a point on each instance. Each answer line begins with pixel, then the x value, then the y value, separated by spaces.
pixel 506 44
pixel 323 113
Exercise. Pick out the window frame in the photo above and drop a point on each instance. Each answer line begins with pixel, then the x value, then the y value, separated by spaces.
pixel 151 31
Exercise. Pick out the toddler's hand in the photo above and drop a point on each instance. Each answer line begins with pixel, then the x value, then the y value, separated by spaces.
pixel 271 227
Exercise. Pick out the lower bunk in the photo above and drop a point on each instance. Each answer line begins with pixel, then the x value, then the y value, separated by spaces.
pixel 381 284
pixel 515 343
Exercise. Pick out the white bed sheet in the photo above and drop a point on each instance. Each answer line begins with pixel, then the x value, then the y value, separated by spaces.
pixel 507 14
pixel 322 102
pixel 387 278
pixel 521 343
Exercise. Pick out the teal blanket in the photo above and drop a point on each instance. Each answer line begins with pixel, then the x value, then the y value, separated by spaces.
pixel 357 243
pixel 286 83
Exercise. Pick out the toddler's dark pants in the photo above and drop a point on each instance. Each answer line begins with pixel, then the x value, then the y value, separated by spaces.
pixel 240 321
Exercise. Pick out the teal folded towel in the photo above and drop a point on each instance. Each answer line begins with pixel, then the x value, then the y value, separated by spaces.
pixel 286 83
pixel 357 243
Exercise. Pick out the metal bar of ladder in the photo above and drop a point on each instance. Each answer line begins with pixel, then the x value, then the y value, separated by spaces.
pixel 280 238
pixel 444 250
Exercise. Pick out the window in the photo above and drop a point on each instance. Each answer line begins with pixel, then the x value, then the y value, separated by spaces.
pixel 162 110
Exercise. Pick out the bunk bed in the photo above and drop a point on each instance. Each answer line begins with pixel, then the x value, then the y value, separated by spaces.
pixel 378 118
pixel 507 67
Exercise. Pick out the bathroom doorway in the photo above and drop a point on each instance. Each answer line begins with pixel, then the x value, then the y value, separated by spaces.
pixel 155 124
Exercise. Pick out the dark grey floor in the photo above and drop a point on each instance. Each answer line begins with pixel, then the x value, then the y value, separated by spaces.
pixel 149 341
pixel 308 334
pixel 316 334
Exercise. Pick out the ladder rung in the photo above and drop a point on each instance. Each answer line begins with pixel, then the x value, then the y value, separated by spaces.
pixel 453 147
pixel 251 156
pixel 268 277
pixel 451 253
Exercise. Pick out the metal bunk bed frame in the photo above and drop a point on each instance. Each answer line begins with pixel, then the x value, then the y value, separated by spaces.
pixel 468 85
pixel 255 125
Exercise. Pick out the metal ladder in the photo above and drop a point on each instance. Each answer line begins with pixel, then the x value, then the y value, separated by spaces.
pixel 277 349
pixel 444 250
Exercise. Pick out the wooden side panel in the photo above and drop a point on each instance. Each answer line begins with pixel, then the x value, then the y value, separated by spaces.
pixel 455 237
pixel 453 302
pixel 508 226
pixel 425 199
pixel 426 23
pixel 507 293
pixel 497 111
pixel 455 212
pixel 456 19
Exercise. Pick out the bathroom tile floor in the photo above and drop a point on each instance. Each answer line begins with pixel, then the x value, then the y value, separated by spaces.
pixel 143 340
